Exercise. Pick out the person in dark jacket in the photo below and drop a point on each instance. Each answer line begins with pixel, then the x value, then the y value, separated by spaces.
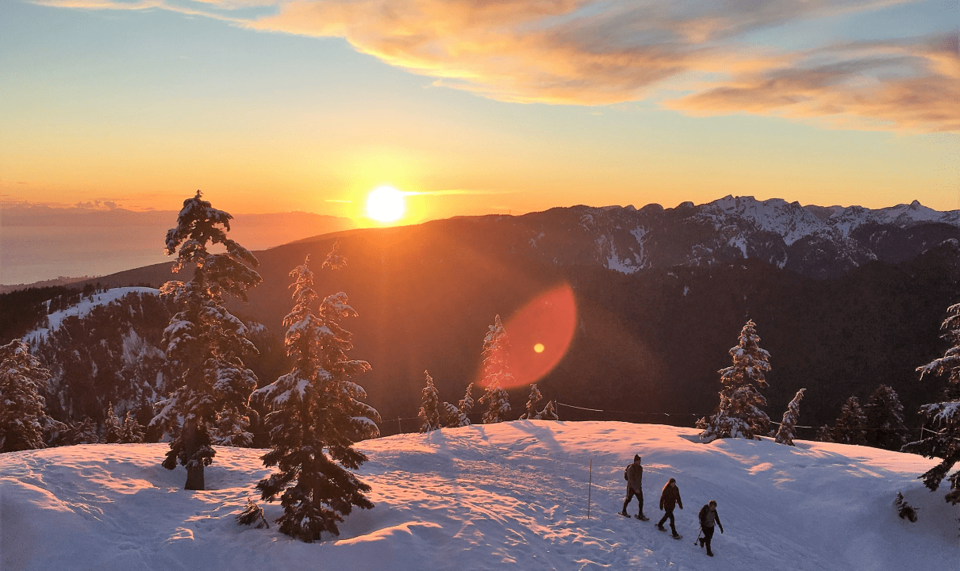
pixel 708 520
pixel 669 498
pixel 634 476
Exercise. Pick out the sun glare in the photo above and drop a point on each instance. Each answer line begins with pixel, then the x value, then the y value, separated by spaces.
pixel 385 204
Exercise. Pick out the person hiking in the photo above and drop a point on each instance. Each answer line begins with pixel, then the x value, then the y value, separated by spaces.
pixel 669 498
pixel 634 477
pixel 708 519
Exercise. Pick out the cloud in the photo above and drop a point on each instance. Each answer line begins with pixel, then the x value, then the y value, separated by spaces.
pixel 603 52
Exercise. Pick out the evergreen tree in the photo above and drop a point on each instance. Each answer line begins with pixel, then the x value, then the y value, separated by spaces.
pixel 790 419
pixel 549 412
pixel 496 373
pixel 204 341
pixel 738 414
pixel 22 413
pixel 451 416
pixel 111 426
pixel 465 405
pixel 316 415
pixel 84 432
pixel 429 414
pixel 885 426
pixel 849 428
pixel 131 432
pixel 943 417
pixel 535 397
pixel 824 434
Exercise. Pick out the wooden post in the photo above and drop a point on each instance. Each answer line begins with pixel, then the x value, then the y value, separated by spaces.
pixel 589 488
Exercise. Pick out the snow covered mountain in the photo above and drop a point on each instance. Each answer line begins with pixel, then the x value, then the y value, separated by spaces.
pixel 531 495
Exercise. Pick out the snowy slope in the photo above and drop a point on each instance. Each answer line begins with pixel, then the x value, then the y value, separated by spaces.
pixel 83 308
pixel 512 495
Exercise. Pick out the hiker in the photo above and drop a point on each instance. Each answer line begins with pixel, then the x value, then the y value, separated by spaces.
pixel 709 518
pixel 669 498
pixel 634 477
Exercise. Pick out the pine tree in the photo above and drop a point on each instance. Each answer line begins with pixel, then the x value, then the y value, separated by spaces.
pixel 824 434
pixel 790 419
pixel 22 413
pixel 943 417
pixel 535 397
pixel 738 414
pixel 549 412
pixel 316 415
pixel 450 416
pixel 884 413
pixel 84 432
pixel 205 342
pixel 131 432
pixel 111 426
pixel 496 374
pixel 465 405
pixel 849 428
pixel 429 414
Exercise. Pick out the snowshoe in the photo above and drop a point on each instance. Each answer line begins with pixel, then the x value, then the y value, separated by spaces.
pixel 624 514
pixel 642 517
pixel 677 536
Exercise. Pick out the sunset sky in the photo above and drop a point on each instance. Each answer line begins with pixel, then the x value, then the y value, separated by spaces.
pixel 474 106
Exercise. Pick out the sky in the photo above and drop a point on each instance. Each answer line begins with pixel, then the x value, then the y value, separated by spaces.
pixel 472 107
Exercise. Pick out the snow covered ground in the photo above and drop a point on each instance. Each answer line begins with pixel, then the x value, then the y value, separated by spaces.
pixel 512 495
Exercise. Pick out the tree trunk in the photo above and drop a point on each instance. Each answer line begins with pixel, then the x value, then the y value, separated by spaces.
pixel 194 465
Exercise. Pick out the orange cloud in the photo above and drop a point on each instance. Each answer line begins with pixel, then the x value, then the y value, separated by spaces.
pixel 601 52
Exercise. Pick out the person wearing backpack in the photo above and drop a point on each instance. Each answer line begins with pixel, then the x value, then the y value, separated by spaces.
pixel 670 498
pixel 709 519
pixel 634 477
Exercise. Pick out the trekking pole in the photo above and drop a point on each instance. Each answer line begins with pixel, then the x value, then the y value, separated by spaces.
pixel 698 536
pixel 589 488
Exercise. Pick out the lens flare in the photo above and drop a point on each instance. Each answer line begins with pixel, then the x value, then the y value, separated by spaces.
pixel 540 334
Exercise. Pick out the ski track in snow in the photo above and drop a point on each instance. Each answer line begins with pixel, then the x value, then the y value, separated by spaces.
pixel 487 497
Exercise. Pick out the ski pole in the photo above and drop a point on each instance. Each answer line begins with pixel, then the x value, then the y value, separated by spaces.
pixel 696 541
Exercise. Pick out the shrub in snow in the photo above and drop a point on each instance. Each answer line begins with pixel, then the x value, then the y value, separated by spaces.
pixel 22 413
pixel 211 386
pixel 549 412
pixel 850 427
pixel 429 414
pixel 495 374
pixel 790 418
pixel 884 419
pixel 905 510
pixel 111 426
pixel 532 401
pixel 824 434
pixel 738 415
pixel 252 514
pixel 84 432
pixel 131 432
pixel 943 440
pixel 316 414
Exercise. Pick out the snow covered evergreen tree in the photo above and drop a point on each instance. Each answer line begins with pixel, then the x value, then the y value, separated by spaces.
pixel 944 416
pixel 465 405
pixel 22 412
pixel 131 432
pixel 549 412
pixel 111 426
pixel 534 399
pixel 824 434
pixel 884 419
pixel 205 342
pixel 790 419
pixel 738 415
pixel 849 428
pixel 496 373
pixel 84 432
pixel 429 414
pixel 450 416
pixel 316 415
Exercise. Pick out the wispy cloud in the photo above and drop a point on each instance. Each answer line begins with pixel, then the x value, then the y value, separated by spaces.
pixel 602 52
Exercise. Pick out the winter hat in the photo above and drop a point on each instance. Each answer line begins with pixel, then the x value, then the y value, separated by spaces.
pixel 636 457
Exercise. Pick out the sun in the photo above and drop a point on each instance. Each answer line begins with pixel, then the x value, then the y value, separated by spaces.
pixel 385 204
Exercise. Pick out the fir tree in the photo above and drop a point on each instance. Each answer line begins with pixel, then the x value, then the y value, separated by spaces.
pixel 535 397
pixel 824 434
pixel 465 405
pixel 429 414
pixel 738 414
pixel 549 412
pixel 22 413
pixel 451 416
pixel 849 428
pixel 316 415
pixel 84 432
pixel 790 419
pixel 111 426
pixel 943 417
pixel 131 432
pixel 496 374
pixel 884 419
pixel 206 343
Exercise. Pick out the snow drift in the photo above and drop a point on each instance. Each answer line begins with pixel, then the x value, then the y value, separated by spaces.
pixel 488 497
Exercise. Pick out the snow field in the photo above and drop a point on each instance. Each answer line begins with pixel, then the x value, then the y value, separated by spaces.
pixel 499 496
